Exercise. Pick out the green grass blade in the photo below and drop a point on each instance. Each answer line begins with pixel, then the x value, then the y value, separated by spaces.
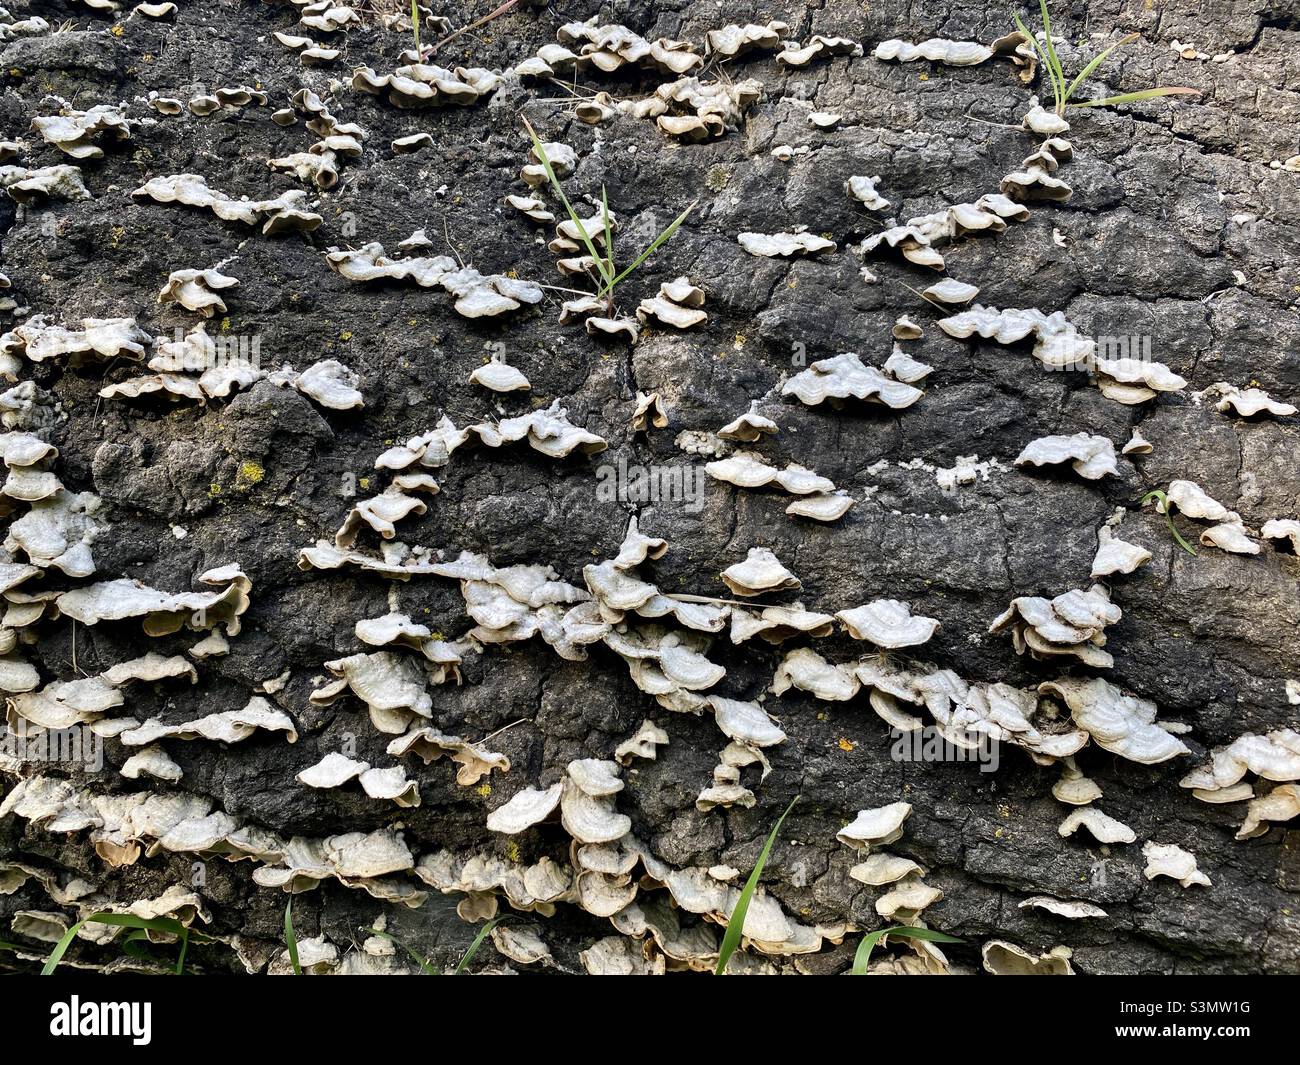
pixel 1053 60
pixel 185 949
pixel 1145 94
pixel 468 957
pixel 61 948
pixel 1163 500
pixel 426 967
pixel 606 271
pixel 736 922
pixel 415 25
pixel 655 245
pixel 863 956
pixel 1038 51
pixel 609 230
pixel 1096 62
pixel 291 940
pixel 122 920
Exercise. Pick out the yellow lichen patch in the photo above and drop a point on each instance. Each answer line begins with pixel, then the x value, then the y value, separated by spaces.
pixel 846 745
pixel 250 473
pixel 483 790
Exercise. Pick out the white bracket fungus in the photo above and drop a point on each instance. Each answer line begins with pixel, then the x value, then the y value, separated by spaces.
pixel 1091 457
pixel 163 612
pixel 1115 555
pixel 846 375
pixel 876 827
pixel 1273 756
pixel 749 426
pixel 760 572
pixel 1282 529
pixel 1006 959
pixel 608 48
pixel 497 375
pixel 1250 401
pixel 1071 909
pixel 285 213
pixel 863 189
pixel 1280 804
pixel 526 808
pixel 796 55
pixel 644 743
pixel 784 245
pixel 733 40
pixel 75 133
pixel 1169 859
pixel 1104 828
pixel 477 295
pixel 1122 724
pixel 428 85
pixel 196 290
pixel 917 238
pixel 678 304
pixel 107 338
pixel 887 623
pixel 230 726
pixel 60 182
pixel 1071 624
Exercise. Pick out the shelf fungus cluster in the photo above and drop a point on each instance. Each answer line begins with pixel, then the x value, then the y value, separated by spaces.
pixel 1273 757
pixel 1228 530
pixel 1059 345
pixel 846 375
pixel 476 295
pixel 918 239
pixel 1014 46
pixel 608 48
pixel 287 213
pixel 816 497
pixel 907 893
pixel 428 85
pixel 1072 624
pixel 79 133
pixel 198 367
pixel 338 141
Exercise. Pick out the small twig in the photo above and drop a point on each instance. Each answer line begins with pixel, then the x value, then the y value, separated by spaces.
pixel 503 728
pixel 507 6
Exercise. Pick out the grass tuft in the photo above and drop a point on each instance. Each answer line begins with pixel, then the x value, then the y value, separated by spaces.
pixel 608 277
pixel 1062 93
pixel 1159 496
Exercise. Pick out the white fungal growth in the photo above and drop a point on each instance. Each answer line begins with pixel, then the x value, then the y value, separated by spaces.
pixel 285 213
pixel 887 623
pixel 1104 828
pixel 1115 555
pixel 875 827
pixel 196 290
pixel 1168 859
pixel 1091 457
pixel 76 132
pixel 1122 724
pixel 784 245
pixel 846 375
pixel 1071 624
pixel 761 572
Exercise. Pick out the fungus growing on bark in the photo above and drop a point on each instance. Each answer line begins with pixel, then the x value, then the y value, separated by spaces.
pixel 887 623
pixel 1122 724
pixel 59 182
pixel 1115 555
pixel 285 213
pixel 846 375
pixel 1249 401
pixel 678 304
pixel 163 613
pixel 498 375
pixel 1071 624
pixel 196 290
pixel 229 726
pixel 760 572
pixel 733 40
pixel 428 85
pixel 1071 909
pixel 77 132
pixel 796 55
pixel 875 827
pixel 1091 457
pixel 863 189
pixel 784 245
pixel 1169 859
pixel 1006 959
pixel 1104 828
